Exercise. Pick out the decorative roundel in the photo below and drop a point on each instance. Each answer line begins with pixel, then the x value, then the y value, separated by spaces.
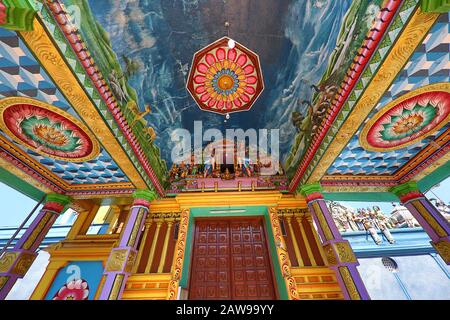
pixel 73 290
pixel 407 120
pixel 47 130
pixel 224 79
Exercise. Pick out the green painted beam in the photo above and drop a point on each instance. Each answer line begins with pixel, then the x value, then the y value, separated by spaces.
pixel 424 185
pixel 20 15
pixel 437 6
pixel 21 186
pixel 436 177
pixel 361 196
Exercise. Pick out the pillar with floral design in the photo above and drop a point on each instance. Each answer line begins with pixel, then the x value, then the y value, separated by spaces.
pixel 338 252
pixel 122 258
pixel 14 263
pixel 431 220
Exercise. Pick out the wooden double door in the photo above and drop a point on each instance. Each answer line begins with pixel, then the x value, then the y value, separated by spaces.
pixel 230 261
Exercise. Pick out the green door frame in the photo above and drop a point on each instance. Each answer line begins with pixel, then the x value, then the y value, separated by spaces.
pixel 245 211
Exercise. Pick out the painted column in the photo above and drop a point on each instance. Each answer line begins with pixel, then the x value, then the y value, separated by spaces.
pixel 122 258
pixel 431 220
pixel 283 256
pixel 173 292
pixel 338 252
pixel 15 262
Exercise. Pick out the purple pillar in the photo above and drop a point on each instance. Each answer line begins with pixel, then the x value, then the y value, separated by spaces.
pixel 122 258
pixel 14 263
pixel 339 254
pixel 431 220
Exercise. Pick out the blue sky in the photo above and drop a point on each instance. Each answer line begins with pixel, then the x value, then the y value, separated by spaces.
pixel 15 206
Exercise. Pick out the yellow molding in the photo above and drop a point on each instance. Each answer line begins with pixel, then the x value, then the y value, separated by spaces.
pixel 411 37
pixel 47 279
pixel 147 286
pixel 24 176
pixel 337 189
pixel 228 199
pixel 317 283
pixel 50 58
pixel 32 163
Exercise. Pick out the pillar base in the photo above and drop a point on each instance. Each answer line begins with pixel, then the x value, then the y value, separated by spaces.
pixel 118 268
pixel 343 261
pixel 14 264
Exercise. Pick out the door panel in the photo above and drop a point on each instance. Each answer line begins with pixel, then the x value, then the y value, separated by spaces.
pixel 231 261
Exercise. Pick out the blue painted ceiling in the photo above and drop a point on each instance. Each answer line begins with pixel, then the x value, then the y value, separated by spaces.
pixel 294 40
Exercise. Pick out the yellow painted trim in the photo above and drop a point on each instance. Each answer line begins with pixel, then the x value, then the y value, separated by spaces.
pixel 411 37
pixel 47 279
pixel 306 240
pixel 228 199
pixel 165 245
pixel 298 255
pixel 142 246
pixel 24 176
pixel 153 248
pixel 50 58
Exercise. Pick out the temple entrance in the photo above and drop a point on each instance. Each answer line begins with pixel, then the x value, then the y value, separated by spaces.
pixel 230 261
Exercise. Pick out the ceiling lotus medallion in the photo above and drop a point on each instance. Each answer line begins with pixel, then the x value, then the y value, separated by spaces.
pixel 46 130
pixel 224 79
pixel 407 120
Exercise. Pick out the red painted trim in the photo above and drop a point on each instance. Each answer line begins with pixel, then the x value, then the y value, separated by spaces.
pixel 28 170
pixel 374 37
pixel 54 206
pixel 411 196
pixel 425 164
pixel 73 36
pixel 359 183
pixel 3 14
pixel 314 196
pixel 141 202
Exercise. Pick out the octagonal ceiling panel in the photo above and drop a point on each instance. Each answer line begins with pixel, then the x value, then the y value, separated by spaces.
pixel 225 77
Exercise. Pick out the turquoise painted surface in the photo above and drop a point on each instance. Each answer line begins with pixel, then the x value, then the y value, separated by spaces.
pixel 412 241
pixel 90 271
pixel 249 211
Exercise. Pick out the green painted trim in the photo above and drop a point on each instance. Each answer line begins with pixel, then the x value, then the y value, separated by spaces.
pixel 437 6
pixel 404 188
pixel 361 196
pixel 58 198
pixel 20 15
pixel 437 176
pixel 250 211
pixel 21 186
pixel 144 194
pixel 423 185
pixel 310 188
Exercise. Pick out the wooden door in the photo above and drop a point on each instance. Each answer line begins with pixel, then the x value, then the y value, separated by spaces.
pixel 230 261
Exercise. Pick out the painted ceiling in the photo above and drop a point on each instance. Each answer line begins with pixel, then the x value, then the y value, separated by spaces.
pixel 430 64
pixel 294 46
pixel 138 70
pixel 22 76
